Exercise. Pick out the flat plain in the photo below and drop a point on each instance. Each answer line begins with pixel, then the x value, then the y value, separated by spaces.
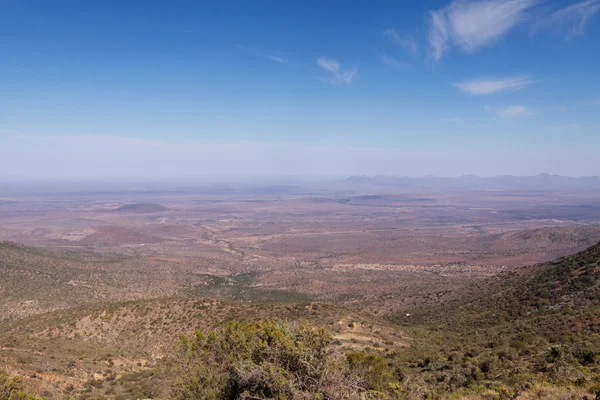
pixel 387 250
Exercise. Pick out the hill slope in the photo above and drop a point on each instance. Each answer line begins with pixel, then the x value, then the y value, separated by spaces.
pixel 519 329
pixel 112 348
pixel 569 284
pixel 141 208
pixel 528 333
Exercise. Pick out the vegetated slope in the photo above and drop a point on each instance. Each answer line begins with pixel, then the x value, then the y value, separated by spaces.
pixel 570 284
pixel 551 242
pixel 142 208
pixel 528 333
pixel 33 282
pixel 116 350
pixel 524 327
pixel 148 325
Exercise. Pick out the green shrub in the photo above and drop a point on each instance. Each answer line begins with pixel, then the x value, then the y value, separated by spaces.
pixel 11 388
pixel 270 360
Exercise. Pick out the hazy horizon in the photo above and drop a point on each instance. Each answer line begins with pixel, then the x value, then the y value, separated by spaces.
pixel 250 181
pixel 93 157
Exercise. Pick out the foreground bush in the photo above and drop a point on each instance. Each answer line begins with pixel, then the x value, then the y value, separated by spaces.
pixel 11 388
pixel 271 360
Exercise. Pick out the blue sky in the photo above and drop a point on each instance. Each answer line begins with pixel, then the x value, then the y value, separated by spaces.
pixel 106 89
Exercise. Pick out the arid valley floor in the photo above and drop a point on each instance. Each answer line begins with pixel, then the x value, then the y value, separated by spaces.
pixel 186 257
pixel 389 251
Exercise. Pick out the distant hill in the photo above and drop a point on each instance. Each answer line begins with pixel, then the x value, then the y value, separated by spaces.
pixel 141 208
pixel 117 235
pixel 472 182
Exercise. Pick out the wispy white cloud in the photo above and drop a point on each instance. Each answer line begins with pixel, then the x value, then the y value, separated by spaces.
pixel 276 59
pixel 474 24
pixel 406 42
pixel 337 75
pixel 391 61
pixel 438 35
pixel 491 86
pixel 509 112
pixel 573 18
pixel 329 64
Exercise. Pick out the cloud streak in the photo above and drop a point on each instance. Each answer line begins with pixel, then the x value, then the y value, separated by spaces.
pixel 509 112
pixel 573 18
pixel 472 25
pixel 406 42
pixel 490 86
pixel 391 61
pixel 263 55
pixel 336 75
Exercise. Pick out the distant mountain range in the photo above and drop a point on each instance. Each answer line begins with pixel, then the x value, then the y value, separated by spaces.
pixel 473 182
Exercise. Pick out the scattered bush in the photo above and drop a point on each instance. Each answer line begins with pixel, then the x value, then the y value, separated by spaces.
pixel 11 388
pixel 272 360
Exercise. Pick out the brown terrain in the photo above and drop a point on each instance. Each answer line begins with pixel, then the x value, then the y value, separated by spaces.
pixel 384 251
pixel 96 286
